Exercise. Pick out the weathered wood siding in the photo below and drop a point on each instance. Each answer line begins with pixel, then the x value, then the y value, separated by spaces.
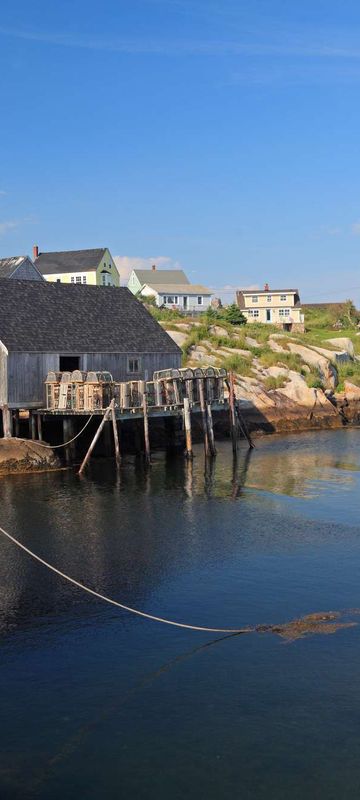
pixel 27 371
pixel 26 375
pixel 3 375
pixel 117 363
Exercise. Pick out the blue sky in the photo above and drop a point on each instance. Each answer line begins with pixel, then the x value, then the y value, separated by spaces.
pixel 221 135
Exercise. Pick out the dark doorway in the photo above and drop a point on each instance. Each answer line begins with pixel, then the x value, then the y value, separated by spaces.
pixel 69 363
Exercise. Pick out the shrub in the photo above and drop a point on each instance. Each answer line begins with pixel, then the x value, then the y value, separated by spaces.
pixel 233 315
pixel 314 380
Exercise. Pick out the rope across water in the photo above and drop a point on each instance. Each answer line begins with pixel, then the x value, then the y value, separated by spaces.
pixel 116 603
pixel 64 444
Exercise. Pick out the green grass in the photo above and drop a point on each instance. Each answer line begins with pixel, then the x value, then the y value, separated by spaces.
pixel 238 364
pixel 350 371
pixel 275 383
pixel 314 380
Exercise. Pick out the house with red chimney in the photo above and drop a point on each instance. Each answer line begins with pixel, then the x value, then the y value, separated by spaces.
pixel 94 267
pixel 279 307
pixel 170 288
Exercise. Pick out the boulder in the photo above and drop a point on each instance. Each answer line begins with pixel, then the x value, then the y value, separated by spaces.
pixel 333 355
pixel 343 343
pixel 251 342
pixel 351 390
pixel 311 357
pixel 217 330
pixel 22 455
pixel 178 337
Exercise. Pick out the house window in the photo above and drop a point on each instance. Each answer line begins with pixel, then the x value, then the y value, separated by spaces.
pixel 283 298
pixel 269 298
pixel 78 279
pixel 176 300
pixel 169 300
pixel 134 365
pixel 58 280
pixel 254 312
pixel 254 299
pixel 72 279
pixel 84 278
pixel 200 300
pixel 284 312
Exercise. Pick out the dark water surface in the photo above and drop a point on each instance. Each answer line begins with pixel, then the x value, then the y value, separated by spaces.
pixel 96 703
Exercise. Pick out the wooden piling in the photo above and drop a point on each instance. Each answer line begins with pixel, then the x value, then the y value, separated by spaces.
pixel 39 427
pixel 211 430
pixel 32 424
pixel 116 437
pixel 7 421
pixel 187 426
pixel 97 434
pixel 17 423
pixel 232 414
pixel 203 414
pixel 146 430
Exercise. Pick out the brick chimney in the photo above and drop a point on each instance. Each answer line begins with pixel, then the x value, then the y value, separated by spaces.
pixel 266 287
pixel 153 267
pixel 35 252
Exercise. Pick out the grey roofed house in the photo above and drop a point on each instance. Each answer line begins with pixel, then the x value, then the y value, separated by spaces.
pixel 179 288
pixel 56 326
pixel 154 276
pixel 70 260
pixel 19 267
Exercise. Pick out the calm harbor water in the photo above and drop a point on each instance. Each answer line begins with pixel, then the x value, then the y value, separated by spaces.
pixel 96 703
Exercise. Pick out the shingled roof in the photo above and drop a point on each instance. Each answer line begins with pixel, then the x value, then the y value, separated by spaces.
pixel 44 317
pixel 8 265
pixel 69 261
pixel 155 276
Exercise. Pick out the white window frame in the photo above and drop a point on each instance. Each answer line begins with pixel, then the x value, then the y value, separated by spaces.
pixel 283 298
pixel 254 312
pixel 255 298
pixel 269 298
pixel 284 312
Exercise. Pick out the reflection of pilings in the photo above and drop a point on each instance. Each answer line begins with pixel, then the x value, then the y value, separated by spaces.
pixel 189 476
pixel 203 415
pixel 209 475
pixel 210 430
pixel 187 425
pixel 239 477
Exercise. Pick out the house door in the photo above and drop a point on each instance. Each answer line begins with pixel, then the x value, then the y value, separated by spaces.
pixel 69 363
pixel 268 315
pixel 185 301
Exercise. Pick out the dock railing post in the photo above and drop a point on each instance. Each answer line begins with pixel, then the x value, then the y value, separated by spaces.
pixel 146 429
pixel 187 426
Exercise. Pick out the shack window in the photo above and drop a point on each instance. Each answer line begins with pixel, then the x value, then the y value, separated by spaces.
pixel 200 300
pixel 69 363
pixel 134 365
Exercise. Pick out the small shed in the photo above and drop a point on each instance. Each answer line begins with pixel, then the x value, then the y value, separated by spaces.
pixel 52 327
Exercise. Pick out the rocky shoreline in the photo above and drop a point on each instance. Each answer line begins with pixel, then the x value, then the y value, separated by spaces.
pixel 22 455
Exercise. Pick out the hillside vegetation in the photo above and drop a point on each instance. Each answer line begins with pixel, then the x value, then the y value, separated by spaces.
pixel 267 360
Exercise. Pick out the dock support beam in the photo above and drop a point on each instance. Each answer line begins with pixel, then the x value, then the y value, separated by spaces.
pixel 97 434
pixel 146 430
pixel 39 427
pixel 187 426
pixel 32 424
pixel 116 438
pixel 203 415
pixel 211 430
pixel 232 414
pixel 7 422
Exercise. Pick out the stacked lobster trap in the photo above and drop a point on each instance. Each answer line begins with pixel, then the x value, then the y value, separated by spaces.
pixel 80 391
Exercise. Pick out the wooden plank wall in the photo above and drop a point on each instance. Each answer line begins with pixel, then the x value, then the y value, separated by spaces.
pixel 3 375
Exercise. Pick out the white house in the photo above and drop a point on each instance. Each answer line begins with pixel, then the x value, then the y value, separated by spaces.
pixel 170 288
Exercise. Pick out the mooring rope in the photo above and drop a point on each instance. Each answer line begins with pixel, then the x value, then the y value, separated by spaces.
pixel 56 446
pixel 115 602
